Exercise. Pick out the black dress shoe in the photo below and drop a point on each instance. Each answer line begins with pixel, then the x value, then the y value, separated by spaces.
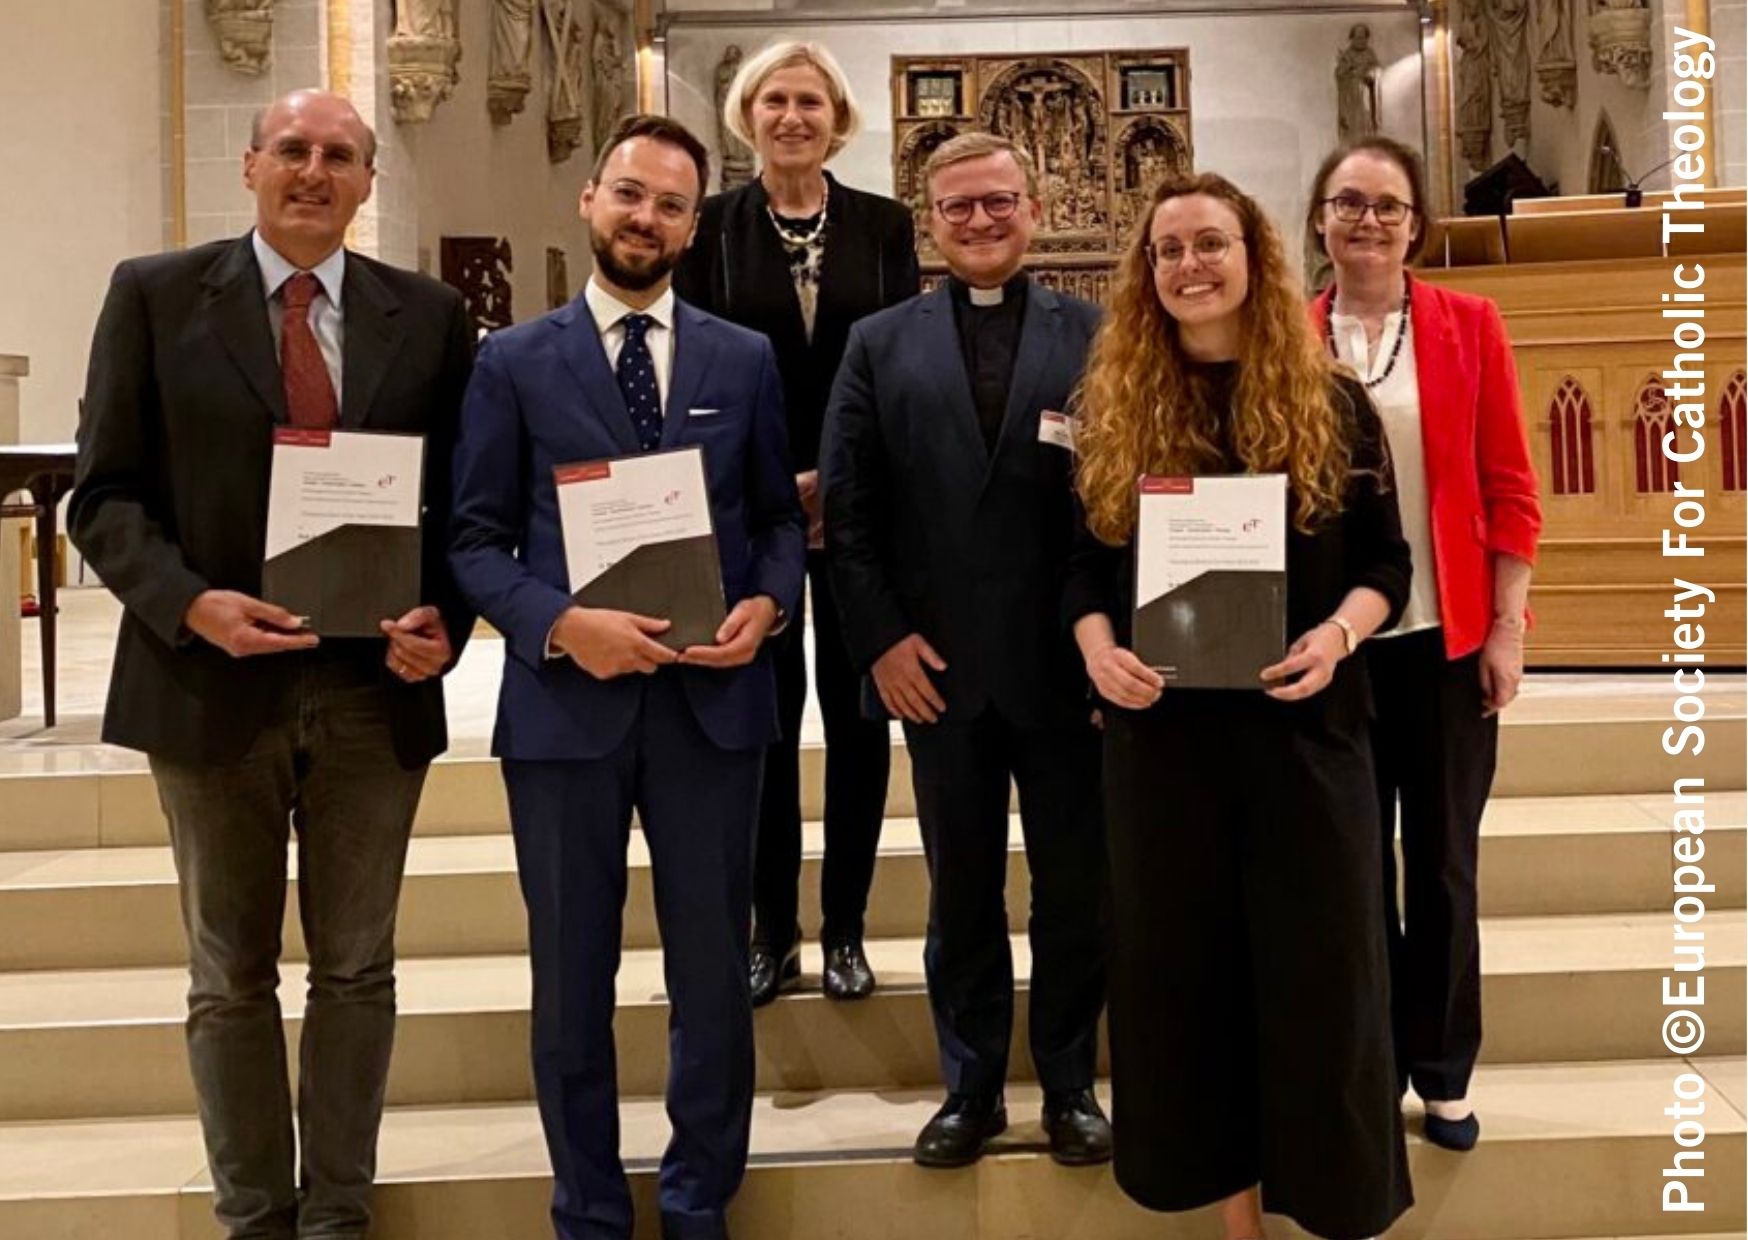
pixel 1453 1134
pixel 847 975
pixel 955 1137
pixel 1080 1135
pixel 770 973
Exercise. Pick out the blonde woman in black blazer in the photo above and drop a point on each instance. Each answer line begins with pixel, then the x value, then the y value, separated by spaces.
pixel 799 256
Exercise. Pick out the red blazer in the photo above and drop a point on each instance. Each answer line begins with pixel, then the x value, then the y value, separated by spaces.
pixel 1479 480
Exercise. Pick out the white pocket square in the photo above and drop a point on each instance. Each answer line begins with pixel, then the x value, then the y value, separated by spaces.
pixel 702 413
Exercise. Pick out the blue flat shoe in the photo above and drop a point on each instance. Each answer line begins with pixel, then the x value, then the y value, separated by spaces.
pixel 1453 1134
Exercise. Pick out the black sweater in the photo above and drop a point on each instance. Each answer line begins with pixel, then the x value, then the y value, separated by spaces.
pixel 1363 546
pixel 737 269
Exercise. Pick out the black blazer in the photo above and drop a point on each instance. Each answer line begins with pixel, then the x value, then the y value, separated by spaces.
pixel 930 533
pixel 170 497
pixel 737 269
pixel 1362 547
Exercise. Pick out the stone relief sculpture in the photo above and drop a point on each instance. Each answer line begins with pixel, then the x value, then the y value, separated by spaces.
pixel 422 56
pixel 508 80
pixel 558 280
pixel 1474 85
pixel 608 57
pixel 1620 40
pixel 1356 86
pixel 736 156
pixel 244 29
pixel 480 267
pixel 564 88
pixel 1056 112
pixel 1511 68
pixel 1556 69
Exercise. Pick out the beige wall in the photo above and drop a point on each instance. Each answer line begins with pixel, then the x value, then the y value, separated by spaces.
pixel 80 113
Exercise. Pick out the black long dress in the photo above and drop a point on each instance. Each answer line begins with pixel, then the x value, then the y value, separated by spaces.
pixel 1249 995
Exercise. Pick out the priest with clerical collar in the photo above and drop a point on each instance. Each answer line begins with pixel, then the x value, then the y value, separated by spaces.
pixel 946 466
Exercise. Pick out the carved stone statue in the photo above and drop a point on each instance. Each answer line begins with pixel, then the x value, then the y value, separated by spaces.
pixel 508 82
pixel 1620 40
pixel 737 156
pixel 1474 85
pixel 564 91
pixel 1511 68
pixel 1556 69
pixel 244 29
pixel 422 56
pixel 608 59
pixel 1356 86
pixel 558 281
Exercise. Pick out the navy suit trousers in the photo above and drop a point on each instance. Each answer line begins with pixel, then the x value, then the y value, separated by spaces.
pixel 697 805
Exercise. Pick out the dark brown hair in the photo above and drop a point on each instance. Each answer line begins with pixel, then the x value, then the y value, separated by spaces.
pixel 1404 157
pixel 661 129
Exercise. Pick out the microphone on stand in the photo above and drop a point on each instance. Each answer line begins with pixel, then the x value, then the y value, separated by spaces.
pixel 1634 195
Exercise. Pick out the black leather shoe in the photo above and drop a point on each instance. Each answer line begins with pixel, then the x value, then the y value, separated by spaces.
pixel 955 1137
pixel 847 975
pixel 1080 1135
pixel 1453 1134
pixel 770 973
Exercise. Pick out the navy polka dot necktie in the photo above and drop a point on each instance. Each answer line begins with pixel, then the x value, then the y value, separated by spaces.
pixel 637 382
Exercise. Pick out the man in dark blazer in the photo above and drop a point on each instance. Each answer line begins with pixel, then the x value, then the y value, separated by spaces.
pixel 946 469
pixel 597 716
pixel 251 724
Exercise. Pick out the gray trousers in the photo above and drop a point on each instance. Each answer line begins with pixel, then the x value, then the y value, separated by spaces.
pixel 325 766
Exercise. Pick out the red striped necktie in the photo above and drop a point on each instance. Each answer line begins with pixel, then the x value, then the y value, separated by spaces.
pixel 309 389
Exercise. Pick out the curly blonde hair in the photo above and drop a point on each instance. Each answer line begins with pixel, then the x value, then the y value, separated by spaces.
pixel 1144 410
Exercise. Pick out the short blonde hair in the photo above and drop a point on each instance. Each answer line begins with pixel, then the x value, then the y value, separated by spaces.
pixel 976 145
pixel 737 106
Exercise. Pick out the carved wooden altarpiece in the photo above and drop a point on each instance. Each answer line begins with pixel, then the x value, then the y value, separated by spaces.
pixel 1102 127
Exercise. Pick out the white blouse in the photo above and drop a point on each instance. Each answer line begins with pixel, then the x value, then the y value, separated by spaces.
pixel 1397 399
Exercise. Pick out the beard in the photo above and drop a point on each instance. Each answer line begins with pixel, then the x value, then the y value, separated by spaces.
pixel 638 274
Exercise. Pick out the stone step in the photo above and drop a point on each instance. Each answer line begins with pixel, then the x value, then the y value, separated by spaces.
pixel 1569 1150
pixel 104 1042
pixel 105 798
pixel 115 907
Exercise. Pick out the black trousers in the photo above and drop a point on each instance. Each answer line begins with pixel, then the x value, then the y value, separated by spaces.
pixel 1435 760
pixel 961 771
pixel 858 758
pixel 1250 1029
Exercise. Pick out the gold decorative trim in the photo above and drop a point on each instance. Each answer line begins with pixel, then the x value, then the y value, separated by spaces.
pixel 340 47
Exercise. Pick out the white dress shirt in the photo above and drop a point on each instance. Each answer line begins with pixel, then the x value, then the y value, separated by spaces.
pixel 327 319
pixel 610 314
pixel 1397 400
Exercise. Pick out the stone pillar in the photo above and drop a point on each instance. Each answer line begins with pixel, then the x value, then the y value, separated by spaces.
pixel 12 369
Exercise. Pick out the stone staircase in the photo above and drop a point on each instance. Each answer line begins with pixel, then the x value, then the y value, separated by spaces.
pixel 98 1139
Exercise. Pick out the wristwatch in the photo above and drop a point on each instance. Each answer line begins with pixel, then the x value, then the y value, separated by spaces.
pixel 1349 638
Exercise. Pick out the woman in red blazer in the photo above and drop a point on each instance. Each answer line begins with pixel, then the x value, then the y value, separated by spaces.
pixel 1438 366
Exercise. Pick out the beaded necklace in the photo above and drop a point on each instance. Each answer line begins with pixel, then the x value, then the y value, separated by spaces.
pixel 1395 349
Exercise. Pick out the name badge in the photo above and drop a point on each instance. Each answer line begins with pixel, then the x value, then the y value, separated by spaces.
pixel 1056 429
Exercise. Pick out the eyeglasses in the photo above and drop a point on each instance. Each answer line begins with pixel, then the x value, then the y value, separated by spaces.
pixel 1210 246
pixel 959 208
pixel 1352 208
pixel 631 195
pixel 296 153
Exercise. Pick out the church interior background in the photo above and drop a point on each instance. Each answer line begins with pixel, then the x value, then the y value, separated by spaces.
pixel 124 122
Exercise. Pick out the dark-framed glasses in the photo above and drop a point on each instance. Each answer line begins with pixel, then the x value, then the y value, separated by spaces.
pixel 631 195
pixel 1210 246
pixel 959 208
pixel 1351 208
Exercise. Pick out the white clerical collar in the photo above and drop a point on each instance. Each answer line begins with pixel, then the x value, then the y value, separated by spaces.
pixel 276 269
pixel 608 309
pixel 986 296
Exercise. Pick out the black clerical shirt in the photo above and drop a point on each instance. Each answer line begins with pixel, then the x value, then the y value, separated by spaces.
pixel 989 340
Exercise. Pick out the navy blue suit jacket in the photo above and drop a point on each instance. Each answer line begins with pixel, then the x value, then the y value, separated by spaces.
pixel 542 394
pixel 931 533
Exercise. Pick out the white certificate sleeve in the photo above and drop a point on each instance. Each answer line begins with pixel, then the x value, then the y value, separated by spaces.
pixel 343 530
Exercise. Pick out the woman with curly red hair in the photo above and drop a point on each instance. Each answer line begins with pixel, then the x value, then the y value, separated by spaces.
pixel 1249 1020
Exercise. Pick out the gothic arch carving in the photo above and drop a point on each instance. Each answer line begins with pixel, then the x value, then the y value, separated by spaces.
pixel 1653 418
pixel 1571 449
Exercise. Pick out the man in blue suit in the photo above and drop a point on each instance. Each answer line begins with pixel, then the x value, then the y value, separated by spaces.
pixel 597 717
pixel 946 468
